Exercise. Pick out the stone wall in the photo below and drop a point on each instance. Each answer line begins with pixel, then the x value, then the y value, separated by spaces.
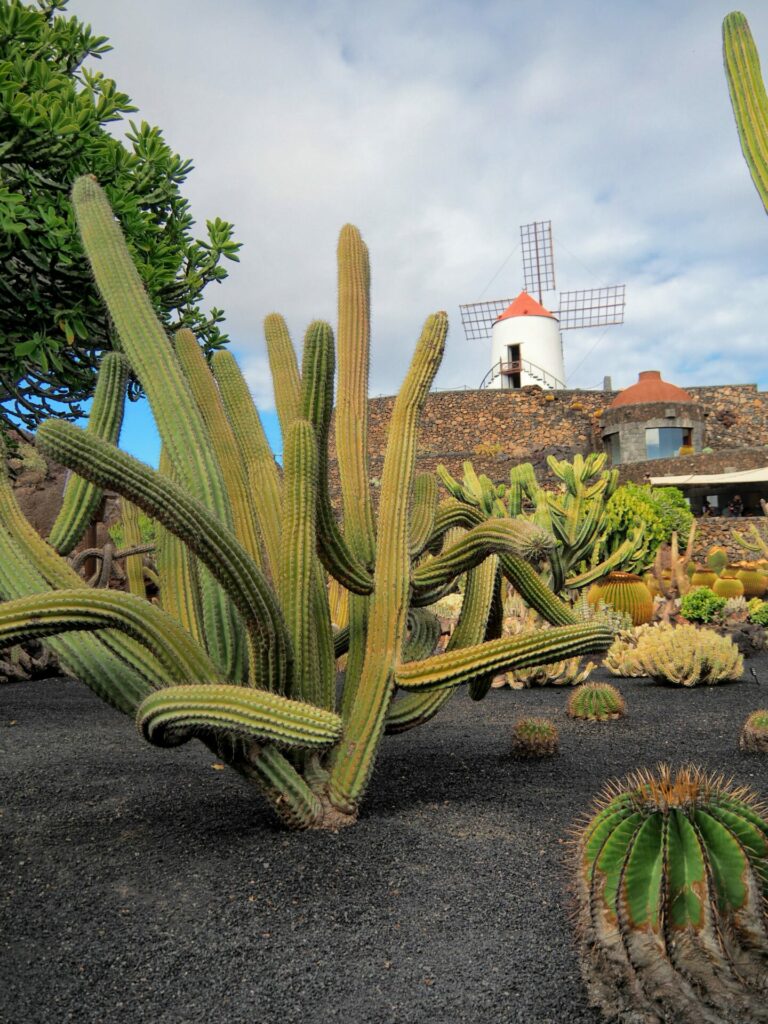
pixel 719 530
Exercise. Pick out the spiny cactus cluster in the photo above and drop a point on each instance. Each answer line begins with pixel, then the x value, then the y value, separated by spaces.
pixel 688 656
pixel 621 658
pixel 596 702
pixel 571 672
pixel 671 879
pixel 241 653
pixel 534 738
pixel 754 733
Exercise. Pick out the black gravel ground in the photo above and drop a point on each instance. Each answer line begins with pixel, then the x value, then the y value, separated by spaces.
pixel 146 885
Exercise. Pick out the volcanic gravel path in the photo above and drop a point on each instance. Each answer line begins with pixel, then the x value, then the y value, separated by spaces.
pixel 147 885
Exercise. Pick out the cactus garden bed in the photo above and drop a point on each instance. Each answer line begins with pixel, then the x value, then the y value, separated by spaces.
pixel 147 885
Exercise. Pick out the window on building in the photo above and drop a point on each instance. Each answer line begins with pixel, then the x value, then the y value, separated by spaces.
pixel 614 448
pixel 665 442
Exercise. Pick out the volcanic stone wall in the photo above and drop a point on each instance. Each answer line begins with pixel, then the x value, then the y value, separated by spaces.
pixel 498 429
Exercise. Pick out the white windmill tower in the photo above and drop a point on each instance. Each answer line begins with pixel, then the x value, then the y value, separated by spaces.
pixel 525 340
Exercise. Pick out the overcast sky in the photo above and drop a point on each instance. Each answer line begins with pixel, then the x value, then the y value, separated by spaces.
pixel 439 129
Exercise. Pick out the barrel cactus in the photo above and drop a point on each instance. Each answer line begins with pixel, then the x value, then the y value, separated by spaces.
pixel 534 738
pixel 596 702
pixel 671 878
pixel 754 733
pixel 625 592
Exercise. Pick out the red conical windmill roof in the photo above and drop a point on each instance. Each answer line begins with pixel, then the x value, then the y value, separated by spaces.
pixel 524 305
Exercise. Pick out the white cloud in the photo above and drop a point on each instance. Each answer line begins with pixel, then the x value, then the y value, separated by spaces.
pixel 439 130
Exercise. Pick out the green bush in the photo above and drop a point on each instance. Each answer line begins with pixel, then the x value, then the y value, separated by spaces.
pixel 701 605
pixel 760 615
pixel 673 510
pixel 626 508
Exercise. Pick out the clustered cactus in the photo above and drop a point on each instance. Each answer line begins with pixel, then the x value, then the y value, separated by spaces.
pixel 671 879
pixel 596 702
pixel 534 738
pixel 241 652
pixel 688 656
pixel 571 672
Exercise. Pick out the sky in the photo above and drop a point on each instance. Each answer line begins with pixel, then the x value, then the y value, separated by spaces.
pixel 438 129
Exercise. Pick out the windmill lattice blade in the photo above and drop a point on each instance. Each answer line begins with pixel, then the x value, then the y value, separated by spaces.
pixel 478 318
pixel 538 259
pixel 592 307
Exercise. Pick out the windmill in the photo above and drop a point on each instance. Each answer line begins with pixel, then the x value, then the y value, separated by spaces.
pixel 526 344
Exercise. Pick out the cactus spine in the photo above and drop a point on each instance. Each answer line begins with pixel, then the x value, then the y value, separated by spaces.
pixel 748 98
pixel 596 702
pixel 671 873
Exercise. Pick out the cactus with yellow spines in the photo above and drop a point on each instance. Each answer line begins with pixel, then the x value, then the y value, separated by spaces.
pixel 81 498
pixel 270 583
pixel 134 564
pixel 748 97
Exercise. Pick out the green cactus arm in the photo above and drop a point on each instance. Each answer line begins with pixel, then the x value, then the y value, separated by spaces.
pixel 625 550
pixel 298 562
pixel 353 340
pixel 353 760
pixel 423 634
pixel 262 474
pixel 341 641
pixel 480 686
pixel 187 519
pixel 134 564
pixel 174 715
pixel 454 488
pixel 289 795
pixel 203 385
pixel 317 404
pixel 748 98
pixel 452 515
pixel 535 592
pixel 423 514
pixel 752 540
pixel 284 369
pixel 177 570
pixel 461 666
pixel 178 419
pixel 82 499
pixel 513 536
pixel 414 709
pixel 59 611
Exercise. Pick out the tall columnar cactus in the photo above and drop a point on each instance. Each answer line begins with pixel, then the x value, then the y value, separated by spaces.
pixel 671 877
pixel 242 653
pixel 748 98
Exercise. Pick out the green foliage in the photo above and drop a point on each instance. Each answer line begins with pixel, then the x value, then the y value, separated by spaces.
pixel 671 871
pixel 673 510
pixel 54 115
pixel 241 653
pixel 759 615
pixel 701 605
pixel 147 531
pixel 630 506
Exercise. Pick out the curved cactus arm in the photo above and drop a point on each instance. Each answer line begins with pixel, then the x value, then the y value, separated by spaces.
pixel 456 667
pixel 748 98
pixel 284 369
pixel 173 715
pixel 263 477
pixel 481 685
pixel 618 557
pixel 455 489
pixel 289 795
pixel 514 536
pixel 341 641
pixel 752 540
pixel 134 563
pixel 423 634
pixel 186 518
pixel 353 759
pixel 423 514
pixel 414 709
pixel 81 498
pixel 452 515
pixel 317 405
pixel 535 592
pixel 60 611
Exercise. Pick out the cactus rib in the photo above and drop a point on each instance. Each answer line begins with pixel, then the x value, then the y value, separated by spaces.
pixel 748 98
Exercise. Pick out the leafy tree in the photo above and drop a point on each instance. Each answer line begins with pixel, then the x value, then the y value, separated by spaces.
pixel 53 325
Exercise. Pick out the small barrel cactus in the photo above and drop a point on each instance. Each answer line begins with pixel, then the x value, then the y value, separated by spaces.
pixel 534 737
pixel 727 585
pixel 702 577
pixel 596 702
pixel 754 581
pixel 754 733
pixel 671 872
pixel 717 559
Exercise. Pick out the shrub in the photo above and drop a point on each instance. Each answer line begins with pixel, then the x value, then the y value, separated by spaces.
pixel 759 615
pixel 534 737
pixel 689 656
pixel 701 605
pixel 670 874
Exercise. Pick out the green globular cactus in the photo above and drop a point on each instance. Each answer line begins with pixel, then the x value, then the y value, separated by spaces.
pixel 241 653
pixel 624 592
pixel 596 702
pixel 534 738
pixel 748 98
pixel 754 733
pixel 671 877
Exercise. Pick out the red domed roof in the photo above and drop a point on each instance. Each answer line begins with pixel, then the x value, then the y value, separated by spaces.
pixel 524 305
pixel 650 388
